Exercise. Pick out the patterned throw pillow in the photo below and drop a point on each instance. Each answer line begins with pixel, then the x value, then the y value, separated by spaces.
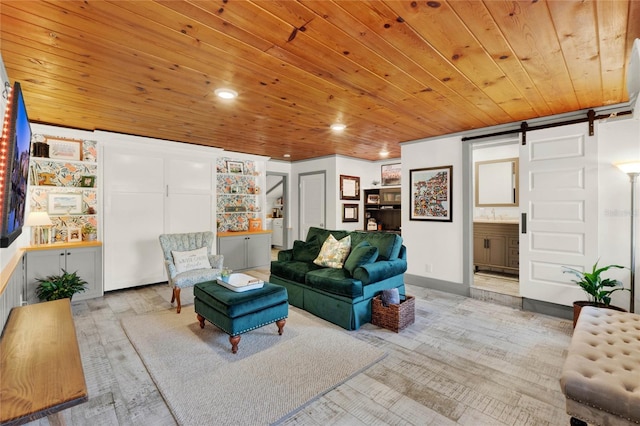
pixel 333 252
pixel 190 260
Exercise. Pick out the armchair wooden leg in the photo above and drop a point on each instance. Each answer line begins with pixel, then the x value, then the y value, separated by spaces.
pixel 173 295
pixel 176 294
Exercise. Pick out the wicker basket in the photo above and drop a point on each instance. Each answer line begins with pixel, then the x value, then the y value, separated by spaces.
pixel 393 317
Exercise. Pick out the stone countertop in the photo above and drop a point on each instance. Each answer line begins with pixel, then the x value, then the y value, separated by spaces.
pixel 497 221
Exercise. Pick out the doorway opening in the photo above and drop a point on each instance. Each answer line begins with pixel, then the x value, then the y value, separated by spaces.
pixel 495 225
pixel 277 219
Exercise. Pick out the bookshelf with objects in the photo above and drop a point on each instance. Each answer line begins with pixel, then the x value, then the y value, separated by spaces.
pixel 63 184
pixel 242 239
pixel 383 209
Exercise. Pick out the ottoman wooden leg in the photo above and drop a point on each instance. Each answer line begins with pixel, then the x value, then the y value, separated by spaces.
pixel 234 340
pixel 280 324
pixel 200 320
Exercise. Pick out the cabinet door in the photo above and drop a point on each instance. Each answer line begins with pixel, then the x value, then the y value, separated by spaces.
pixel 258 250
pixel 497 250
pixel 41 264
pixel 87 262
pixel 234 250
pixel 278 232
pixel 479 250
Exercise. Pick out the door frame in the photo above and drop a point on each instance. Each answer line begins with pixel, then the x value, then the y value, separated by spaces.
pixel 287 205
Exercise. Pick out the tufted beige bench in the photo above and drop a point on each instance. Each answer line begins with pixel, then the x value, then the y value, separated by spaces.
pixel 601 375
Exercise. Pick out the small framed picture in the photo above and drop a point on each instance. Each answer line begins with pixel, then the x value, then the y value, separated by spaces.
pixel 349 187
pixel 350 212
pixel 373 199
pixel 235 189
pixel 74 234
pixel 65 149
pixel 235 167
pixel 391 174
pixel 64 203
pixel 87 181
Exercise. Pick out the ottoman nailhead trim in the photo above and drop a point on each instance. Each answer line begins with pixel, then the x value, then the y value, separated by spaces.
pixel 248 329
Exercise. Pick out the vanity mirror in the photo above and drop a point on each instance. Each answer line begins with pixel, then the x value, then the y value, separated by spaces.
pixel 496 183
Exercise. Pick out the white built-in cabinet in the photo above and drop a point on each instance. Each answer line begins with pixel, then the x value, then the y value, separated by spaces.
pixel 151 188
pixel 46 260
pixel 277 238
pixel 245 250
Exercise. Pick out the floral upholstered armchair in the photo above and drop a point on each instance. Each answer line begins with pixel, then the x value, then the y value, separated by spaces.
pixel 189 261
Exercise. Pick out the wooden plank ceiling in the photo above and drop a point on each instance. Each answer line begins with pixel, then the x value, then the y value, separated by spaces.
pixel 392 71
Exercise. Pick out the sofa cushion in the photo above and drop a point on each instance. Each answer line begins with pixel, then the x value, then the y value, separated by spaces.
pixel 292 269
pixel 333 252
pixel 191 259
pixel 322 234
pixel 306 251
pixel 360 255
pixel 335 281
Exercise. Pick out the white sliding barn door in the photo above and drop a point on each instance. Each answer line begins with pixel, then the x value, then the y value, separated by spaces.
pixel 559 195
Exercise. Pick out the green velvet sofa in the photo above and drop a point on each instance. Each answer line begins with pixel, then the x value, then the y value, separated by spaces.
pixel 377 261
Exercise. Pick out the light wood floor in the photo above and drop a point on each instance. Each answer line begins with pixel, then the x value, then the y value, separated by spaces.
pixel 464 362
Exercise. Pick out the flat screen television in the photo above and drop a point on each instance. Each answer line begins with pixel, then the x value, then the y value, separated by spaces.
pixel 14 167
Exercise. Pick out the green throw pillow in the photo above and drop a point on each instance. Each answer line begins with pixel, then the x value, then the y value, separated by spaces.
pixel 306 251
pixel 362 254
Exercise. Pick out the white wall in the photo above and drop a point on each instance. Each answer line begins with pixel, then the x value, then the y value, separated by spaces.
pixel 334 166
pixel 437 245
pixel 618 141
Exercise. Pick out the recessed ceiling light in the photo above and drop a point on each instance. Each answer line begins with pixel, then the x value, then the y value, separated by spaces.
pixel 338 127
pixel 287 155
pixel 226 93
pixel 384 153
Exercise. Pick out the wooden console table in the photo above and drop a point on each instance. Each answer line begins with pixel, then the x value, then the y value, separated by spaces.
pixel 40 363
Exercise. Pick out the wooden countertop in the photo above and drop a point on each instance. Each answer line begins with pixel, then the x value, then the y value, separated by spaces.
pixel 238 233
pixel 55 246
pixel 40 363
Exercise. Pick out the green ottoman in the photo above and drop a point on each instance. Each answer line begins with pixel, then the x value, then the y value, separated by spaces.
pixel 238 312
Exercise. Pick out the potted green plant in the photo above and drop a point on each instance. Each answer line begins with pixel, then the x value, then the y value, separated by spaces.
pixel 89 231
pixel 598 289
pixel 61 286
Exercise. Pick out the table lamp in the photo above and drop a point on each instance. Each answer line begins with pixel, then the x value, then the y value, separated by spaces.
pixel 37 220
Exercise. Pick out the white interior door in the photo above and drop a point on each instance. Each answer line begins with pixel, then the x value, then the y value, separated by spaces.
pixel 559 193
pixel 312 202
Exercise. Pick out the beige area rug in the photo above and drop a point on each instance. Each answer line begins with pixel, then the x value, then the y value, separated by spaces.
pixel 270 378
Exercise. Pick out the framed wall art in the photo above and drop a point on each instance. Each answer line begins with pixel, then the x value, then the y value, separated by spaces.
pixel 65 149
pixel 391 174
pixel 350 212
pixel 87 181
pixel 235 167
pixel 64 203
pixel 73 234
pixel 431 194
pixel 349 187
